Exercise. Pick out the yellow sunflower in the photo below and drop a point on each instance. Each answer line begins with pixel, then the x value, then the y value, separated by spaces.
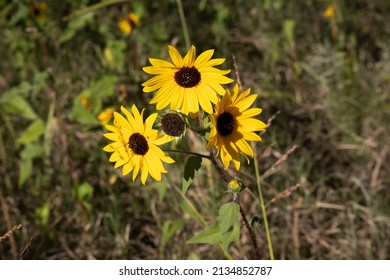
pixel 136 144
pixel 234 125
pixel 188 82
pixel 126 25
pixel 105 116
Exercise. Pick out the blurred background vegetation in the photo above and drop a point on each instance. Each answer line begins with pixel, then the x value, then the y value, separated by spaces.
pixel 323 65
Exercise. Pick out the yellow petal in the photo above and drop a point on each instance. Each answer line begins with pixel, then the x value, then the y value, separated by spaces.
pixel 176 57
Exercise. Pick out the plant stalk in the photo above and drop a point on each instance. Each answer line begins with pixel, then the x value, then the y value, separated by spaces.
pixel 183 24
pixel 262 205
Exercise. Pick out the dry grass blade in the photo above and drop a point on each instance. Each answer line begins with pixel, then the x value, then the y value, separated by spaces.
pixel 10 232
pixel 28 245
pixel 236 72
pixel 283 158
pixel 283 194
pixel 269 121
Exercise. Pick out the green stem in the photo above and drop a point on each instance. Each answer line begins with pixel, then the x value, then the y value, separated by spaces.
pixel 87 10
pixel 183 24
pixel 200 218
pixel 263 210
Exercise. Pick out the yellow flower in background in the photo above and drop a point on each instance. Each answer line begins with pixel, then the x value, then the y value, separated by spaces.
pixel 126 25
pixel 135 145
pixel 234 125
pixel 330 11
pixel 84 100
pixel 188 83
pixel 38 11
pixel 105 116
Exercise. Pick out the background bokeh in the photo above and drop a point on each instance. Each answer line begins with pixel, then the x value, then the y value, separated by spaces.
pixel 323 65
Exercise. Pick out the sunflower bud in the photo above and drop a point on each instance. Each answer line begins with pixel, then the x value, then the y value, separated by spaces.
pixel 235 186
pixel 173 123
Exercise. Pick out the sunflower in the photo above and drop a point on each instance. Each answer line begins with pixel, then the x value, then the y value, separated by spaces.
pixel 136 144
pixel 188 82
pixel 126 25
pixel 234 125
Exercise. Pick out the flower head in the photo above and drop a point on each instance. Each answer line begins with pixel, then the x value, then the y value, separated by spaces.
pixel 330 11
pixel 38 11
pixel 85 101
pixel 173 123
pixel 135 145
pixel 234 125
pixel 105 116
pixel 188 82
pixel 126 25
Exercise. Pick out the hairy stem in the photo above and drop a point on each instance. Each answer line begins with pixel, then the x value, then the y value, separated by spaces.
pixel 251 233
pixel 235 198
pixel 188 153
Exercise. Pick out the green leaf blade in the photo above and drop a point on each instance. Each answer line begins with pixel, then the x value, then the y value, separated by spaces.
pixel 191 168
pixel 228 222
pixel 210 235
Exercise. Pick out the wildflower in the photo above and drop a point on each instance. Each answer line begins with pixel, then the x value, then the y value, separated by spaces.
pixel 105 116
pixel 330 11
pixel 126 25
pixel 85 101
pixel 188 83
pixel 235 186
pixel 38 11
pixel 173 123
pixel 234 125
pixel 135 145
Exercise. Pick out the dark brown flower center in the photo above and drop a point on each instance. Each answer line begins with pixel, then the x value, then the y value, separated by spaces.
pixel 138 144
pixel 225 124
pixel 187 77
pixel 173 124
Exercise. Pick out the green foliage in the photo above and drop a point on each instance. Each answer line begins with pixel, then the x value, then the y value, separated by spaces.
pixel 98 90
pixel 226 230
pixel 42 215
pixel 191 168
pixel 84 193
pixel 74 25
pixel 32 133
pixel 30 151
pixel 169 229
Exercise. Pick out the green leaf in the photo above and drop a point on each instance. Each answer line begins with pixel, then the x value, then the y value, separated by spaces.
pixel 227 220
pixel 19 107
pixel 42 215
pixel 25 170
pixel 29 152
pixel 210 235
pixel 288 30
pixel 32 133
pixel 115 55
pixel 83 191
pixel 161 187
pixel 74 25
pixel 40 81
pixel 190 170
pixel 20 90
pixel 83 194
pixel 169 229
pixel 104 86
pixel 80 114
